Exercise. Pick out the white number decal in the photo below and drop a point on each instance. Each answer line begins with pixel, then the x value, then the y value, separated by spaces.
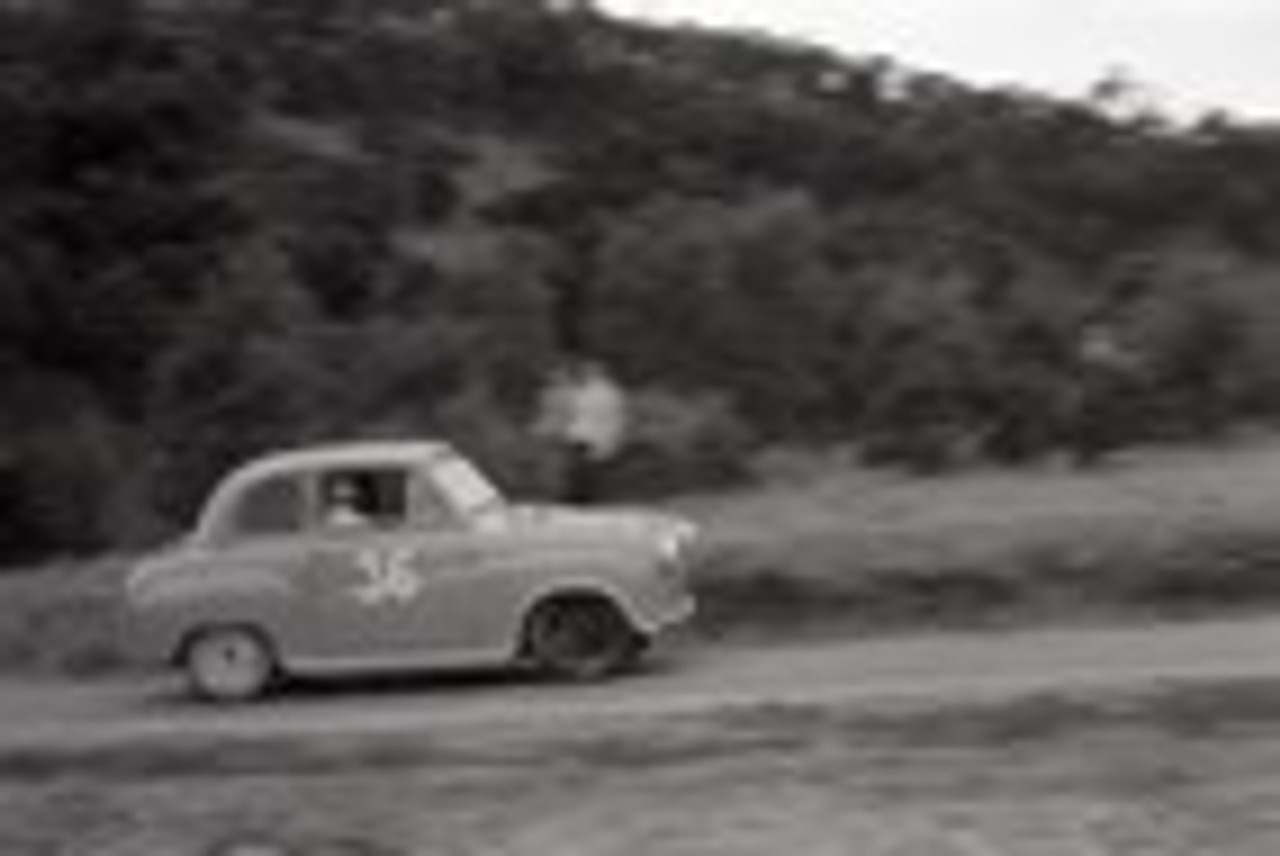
pixel 389 576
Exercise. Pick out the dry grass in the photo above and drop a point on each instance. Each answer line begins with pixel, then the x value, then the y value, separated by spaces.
pixel 980 513
pixel 1159 532
pixel 62 619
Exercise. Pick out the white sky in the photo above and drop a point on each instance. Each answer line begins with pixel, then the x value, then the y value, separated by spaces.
pixel 1194 54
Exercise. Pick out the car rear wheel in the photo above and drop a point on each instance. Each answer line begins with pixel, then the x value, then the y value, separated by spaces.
pixel 581 639
pixel 229 664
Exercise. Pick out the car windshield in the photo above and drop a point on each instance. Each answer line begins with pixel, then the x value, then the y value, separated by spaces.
pixel 471 493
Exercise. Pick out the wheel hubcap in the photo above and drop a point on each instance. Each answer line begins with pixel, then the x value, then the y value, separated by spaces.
pixel 229 666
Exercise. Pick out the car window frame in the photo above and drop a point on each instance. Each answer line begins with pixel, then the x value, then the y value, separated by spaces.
pixel 419 493
pixel 218 523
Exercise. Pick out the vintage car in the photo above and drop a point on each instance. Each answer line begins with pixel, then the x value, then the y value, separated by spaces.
pixel 382 555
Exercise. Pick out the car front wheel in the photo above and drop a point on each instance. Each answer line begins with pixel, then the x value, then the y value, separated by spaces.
pixel 581 639
pixel 228 664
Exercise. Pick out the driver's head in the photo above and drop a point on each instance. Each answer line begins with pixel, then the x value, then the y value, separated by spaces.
pixel 343 492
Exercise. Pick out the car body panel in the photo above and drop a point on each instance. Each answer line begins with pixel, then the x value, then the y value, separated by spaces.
pixel 451 587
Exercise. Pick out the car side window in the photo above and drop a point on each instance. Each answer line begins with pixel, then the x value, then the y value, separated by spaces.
pixel 369 498
pixel 275 506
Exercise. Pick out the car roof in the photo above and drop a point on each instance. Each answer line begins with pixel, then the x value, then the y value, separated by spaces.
pixel 346 454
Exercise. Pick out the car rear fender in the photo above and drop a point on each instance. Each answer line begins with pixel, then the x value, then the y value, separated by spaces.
pixel 243 596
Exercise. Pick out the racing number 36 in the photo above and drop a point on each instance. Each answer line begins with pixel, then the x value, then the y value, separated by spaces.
pixel 389 576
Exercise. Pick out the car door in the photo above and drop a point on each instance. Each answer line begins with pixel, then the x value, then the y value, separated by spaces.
pixel 387 576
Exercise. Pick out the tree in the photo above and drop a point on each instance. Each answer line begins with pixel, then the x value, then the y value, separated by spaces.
pixel 243 376
pixel 116 131
pixel 113 136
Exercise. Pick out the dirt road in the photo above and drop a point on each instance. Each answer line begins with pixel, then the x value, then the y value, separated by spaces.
pixel 62 716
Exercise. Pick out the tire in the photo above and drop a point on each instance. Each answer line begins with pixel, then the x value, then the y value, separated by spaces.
pixel 581 639
pixel 229 664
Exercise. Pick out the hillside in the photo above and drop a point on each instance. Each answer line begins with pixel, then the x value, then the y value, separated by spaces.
pixel 231 225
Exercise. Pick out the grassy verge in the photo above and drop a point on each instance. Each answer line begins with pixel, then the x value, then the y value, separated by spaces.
pixel 1162 535
pixel 849 551
pixel 63 619
pixel 1189 574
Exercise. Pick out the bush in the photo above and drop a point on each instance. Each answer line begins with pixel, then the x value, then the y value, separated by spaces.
pixel 679 441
